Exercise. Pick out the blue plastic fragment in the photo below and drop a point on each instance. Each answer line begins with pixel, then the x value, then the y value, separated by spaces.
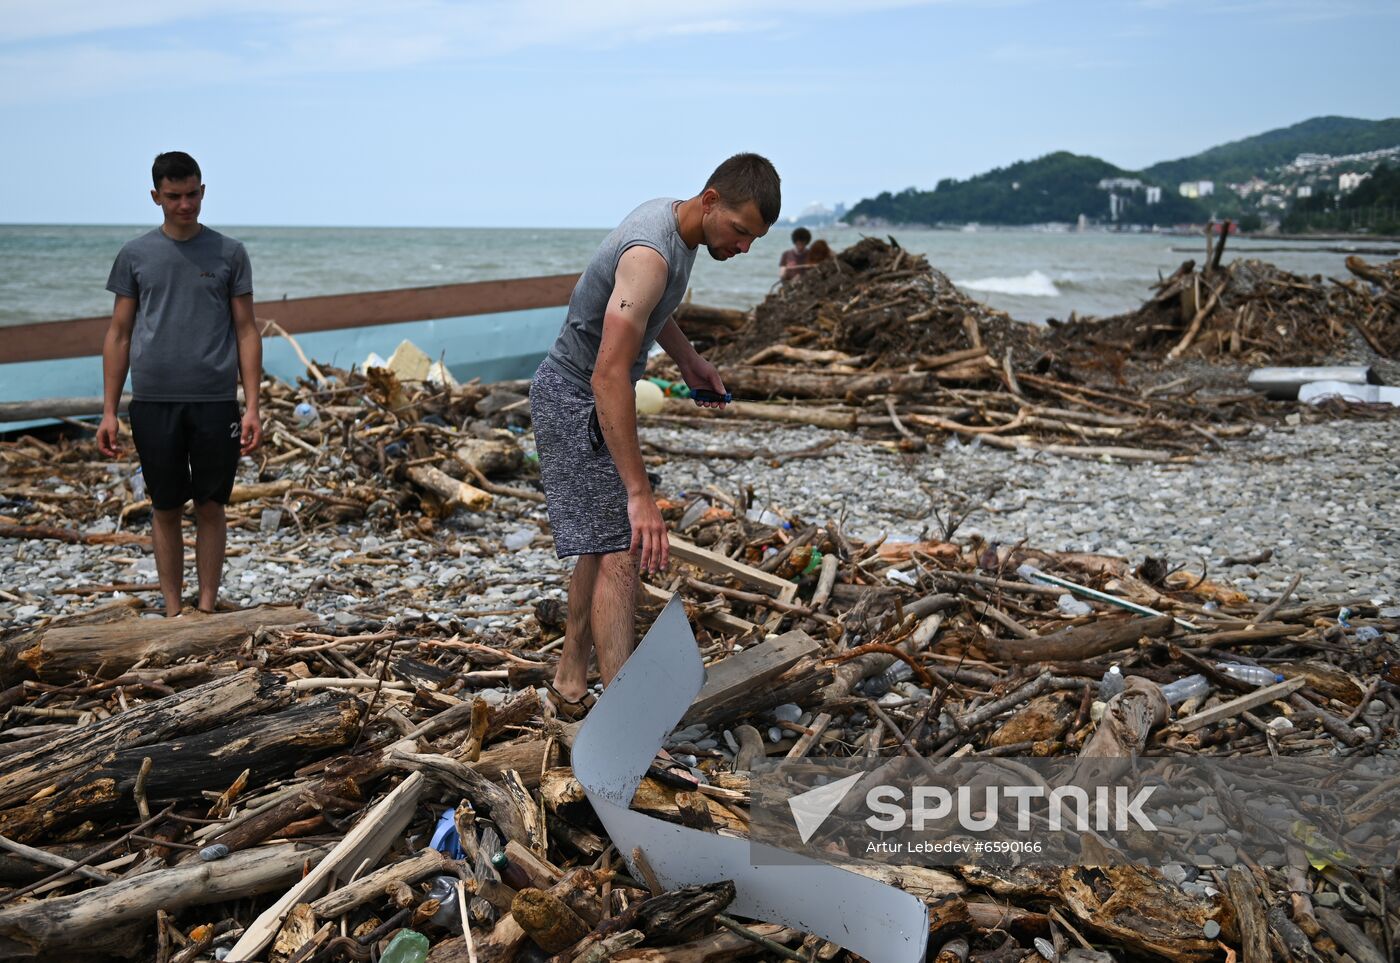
pixel 445 838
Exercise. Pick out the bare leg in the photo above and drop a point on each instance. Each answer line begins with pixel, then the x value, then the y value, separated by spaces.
pixel 571 675
pixel 170 556
pixel 614 612
pixel 211 533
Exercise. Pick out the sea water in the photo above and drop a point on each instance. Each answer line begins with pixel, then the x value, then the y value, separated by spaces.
pixel 50 273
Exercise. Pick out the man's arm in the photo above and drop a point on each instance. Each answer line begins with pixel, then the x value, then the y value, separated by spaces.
pixel 116 359
pixel 245 328
pixel 695 370
pixel 637 287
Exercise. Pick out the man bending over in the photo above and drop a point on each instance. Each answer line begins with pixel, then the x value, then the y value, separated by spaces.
pixel 600 503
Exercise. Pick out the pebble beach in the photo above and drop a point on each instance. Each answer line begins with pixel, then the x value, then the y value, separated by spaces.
pixel 1322 496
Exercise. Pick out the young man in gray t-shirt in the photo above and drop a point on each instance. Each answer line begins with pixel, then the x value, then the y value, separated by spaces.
pixel 601 507
pixel 183 324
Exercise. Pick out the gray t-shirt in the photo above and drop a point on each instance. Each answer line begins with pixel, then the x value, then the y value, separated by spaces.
pixel 183 347
pixel 653 225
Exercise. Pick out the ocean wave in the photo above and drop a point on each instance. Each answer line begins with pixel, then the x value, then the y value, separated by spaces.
pixel 1033 285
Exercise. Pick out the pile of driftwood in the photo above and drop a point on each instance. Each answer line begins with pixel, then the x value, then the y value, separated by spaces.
pixel 880 303
pixel 1249 312
pixel 254 785
pixel 875 339
pixel 397 454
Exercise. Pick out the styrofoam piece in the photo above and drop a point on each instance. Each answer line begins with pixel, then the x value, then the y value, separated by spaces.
pixel 1283 383
pixel 1316 391
pixel 439 377
pixel 409 363
pixel 373 360
pixel 611 754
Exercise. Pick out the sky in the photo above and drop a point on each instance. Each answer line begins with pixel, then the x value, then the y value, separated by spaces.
pixel 567 113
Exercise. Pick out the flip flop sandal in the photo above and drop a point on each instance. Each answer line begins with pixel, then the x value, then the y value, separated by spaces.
pixel 571 709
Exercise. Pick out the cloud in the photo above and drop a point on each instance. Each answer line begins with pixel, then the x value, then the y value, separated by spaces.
pixel 70 47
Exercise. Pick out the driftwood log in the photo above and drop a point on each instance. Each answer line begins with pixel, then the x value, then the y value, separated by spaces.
pixel 270 746
pixel 453 493
pixel 1079 642
pixel 221 701
pixel 61 653
pixel 93 921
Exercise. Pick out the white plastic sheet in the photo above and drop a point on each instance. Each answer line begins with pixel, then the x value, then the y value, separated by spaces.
pixel 612 752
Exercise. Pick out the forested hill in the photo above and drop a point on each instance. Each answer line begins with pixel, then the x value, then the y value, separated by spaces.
pixel 1056 187
pixel 1257 156
pixel 1062 186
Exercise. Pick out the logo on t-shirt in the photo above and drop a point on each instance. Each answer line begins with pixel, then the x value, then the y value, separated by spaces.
pixel 233 429
pixel 208 274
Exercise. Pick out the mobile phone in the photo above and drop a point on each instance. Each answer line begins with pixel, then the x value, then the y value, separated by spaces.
pixel 705 394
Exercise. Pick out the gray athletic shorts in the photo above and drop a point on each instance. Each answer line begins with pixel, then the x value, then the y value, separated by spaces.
pixel 583 492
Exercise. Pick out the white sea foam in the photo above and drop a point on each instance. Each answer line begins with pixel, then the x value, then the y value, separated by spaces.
pixel 1033 285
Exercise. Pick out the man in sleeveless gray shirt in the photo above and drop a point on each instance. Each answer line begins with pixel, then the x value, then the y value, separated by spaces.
pixel 600 503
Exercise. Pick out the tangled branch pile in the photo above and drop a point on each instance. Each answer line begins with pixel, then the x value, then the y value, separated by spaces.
pixel 878 301
pixel 1251 312
pixel 316 761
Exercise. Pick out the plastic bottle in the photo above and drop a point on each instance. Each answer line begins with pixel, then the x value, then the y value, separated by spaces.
pixel 138 485
pixel 1111 684
pixel 885 681
pixel 407 946
pixel 1071 607
pixel 306 415
pixel 1187 688
pixel 444 890
pixel 1253 674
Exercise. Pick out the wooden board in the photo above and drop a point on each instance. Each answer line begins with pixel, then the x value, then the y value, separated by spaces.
pixel 369 840
pixel 737 675
pixel 716 564
pixel 1244 703
pixel 83 336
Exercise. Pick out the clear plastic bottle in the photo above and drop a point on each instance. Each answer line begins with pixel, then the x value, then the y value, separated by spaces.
pixel 1187 688
pixel 1072 608
pixel 306 415
pixel 407 946
pixel 1111 684
pixel 898 671
pixel 1253 674
pixel 138 485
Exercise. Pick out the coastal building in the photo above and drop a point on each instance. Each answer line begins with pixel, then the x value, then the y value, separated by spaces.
pixel 1120 184
pixel 1154 195
pixel 1304 190
pixel 1195 189
pixel 1351 181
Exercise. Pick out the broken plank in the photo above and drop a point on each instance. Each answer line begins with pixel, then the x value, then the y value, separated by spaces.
pixel 713 562
pixel 739 674
pixel 370 838
pixel 1244 703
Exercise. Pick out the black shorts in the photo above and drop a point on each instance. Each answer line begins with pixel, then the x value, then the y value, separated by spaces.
pixel 188 449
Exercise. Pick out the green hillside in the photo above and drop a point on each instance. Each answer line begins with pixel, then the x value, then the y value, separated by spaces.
pixel 1373 207
pixel 1062 186
pixel 1242 159
pixel 1056 187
